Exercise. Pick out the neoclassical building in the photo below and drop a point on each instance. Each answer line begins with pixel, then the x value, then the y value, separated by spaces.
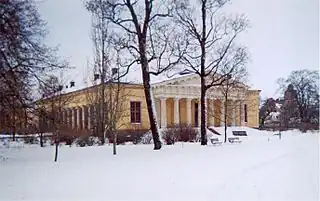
pixel 177 102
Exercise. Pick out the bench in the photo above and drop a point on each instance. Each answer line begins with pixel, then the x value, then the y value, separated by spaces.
pixel 239 133
pixel 234 140
pixel 215 141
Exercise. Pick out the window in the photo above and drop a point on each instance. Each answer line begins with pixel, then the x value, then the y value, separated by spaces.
pixel 135 111
pixel 245 113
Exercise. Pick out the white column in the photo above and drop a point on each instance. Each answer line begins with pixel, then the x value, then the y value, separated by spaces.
pixel 62 117
pixel 206 111
pixel 234 103
pixel 78 118
pixel 163 113
pixel 72 118
pixel 176 113
pixel 199 113
pixel 210 112
pixel 188 100
pixel 222 123
pixel 83 117
pixel 213 113
pixel 89 116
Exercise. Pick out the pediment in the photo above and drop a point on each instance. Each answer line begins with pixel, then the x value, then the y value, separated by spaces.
pixel 187 80
pixel 184 80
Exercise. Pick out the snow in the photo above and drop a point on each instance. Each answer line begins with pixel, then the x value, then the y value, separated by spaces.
pixel 260 168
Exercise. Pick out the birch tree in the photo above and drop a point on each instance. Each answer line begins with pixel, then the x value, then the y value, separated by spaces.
pixel 212 44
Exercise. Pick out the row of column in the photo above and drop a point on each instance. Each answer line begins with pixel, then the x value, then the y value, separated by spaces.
pixel 176 113
pixel 78 117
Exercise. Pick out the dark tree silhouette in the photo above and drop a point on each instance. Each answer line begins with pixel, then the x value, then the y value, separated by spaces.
pixel 305 86
pixel 24 58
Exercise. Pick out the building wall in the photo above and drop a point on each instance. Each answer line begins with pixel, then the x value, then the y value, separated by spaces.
pixel 170 108
pixel 183 111
pixel 252 102
pixel 136 93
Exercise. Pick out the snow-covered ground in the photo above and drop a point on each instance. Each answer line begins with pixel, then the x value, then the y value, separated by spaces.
pixel 262 167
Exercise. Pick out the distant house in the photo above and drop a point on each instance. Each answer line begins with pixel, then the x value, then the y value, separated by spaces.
pixel 273 119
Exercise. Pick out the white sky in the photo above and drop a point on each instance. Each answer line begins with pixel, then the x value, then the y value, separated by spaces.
pixel 284 36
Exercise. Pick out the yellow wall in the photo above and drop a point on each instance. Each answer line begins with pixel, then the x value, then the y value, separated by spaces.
pixel 136 93
pixel 252 102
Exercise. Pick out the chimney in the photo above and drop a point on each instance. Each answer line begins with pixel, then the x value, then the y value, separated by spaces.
pixel 72 84
pixel 114 71
pixel 95 76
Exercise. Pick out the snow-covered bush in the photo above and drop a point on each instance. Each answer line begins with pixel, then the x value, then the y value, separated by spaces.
pixel 87 141
pixel 147 138
pixel 186 133
pixel 169 136
pixel 182 133
pixel 13 144
pixel 30 140
pixel 124 136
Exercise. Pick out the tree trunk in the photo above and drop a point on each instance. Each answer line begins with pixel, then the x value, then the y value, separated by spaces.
pixel 102 106
pixel 203 129
pixel 147 92
pixel 115 143
pixel 152 120
pixel 13 134
pixel 41 139
pixel 56 151
pixel 225 118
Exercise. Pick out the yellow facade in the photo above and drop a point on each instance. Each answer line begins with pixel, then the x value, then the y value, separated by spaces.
pixel 135 92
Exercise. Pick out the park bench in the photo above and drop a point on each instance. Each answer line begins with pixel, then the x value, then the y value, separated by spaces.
pixel 234 140
pixel 239 133
pixel 215 141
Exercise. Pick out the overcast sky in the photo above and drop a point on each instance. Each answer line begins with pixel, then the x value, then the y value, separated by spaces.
pixel 284 36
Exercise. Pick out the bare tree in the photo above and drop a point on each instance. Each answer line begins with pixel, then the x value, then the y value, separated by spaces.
pixel 115 97
pixel 49 109
pixel 305 83
pixel 24 58
pixel 106 68
pixel 211 38
pixel 146 37
pixel 233 85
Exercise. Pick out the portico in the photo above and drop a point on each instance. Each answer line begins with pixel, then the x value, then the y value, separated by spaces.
pixel 178 103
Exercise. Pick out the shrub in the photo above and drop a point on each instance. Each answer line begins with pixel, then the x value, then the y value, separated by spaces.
pixel 186 133
pixel 147 138
pixel 123 136
pixel 169 136
pixel 87 141
pixel 30 140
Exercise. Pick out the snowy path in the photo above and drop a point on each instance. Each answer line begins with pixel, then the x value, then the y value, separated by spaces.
pixel 254 170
